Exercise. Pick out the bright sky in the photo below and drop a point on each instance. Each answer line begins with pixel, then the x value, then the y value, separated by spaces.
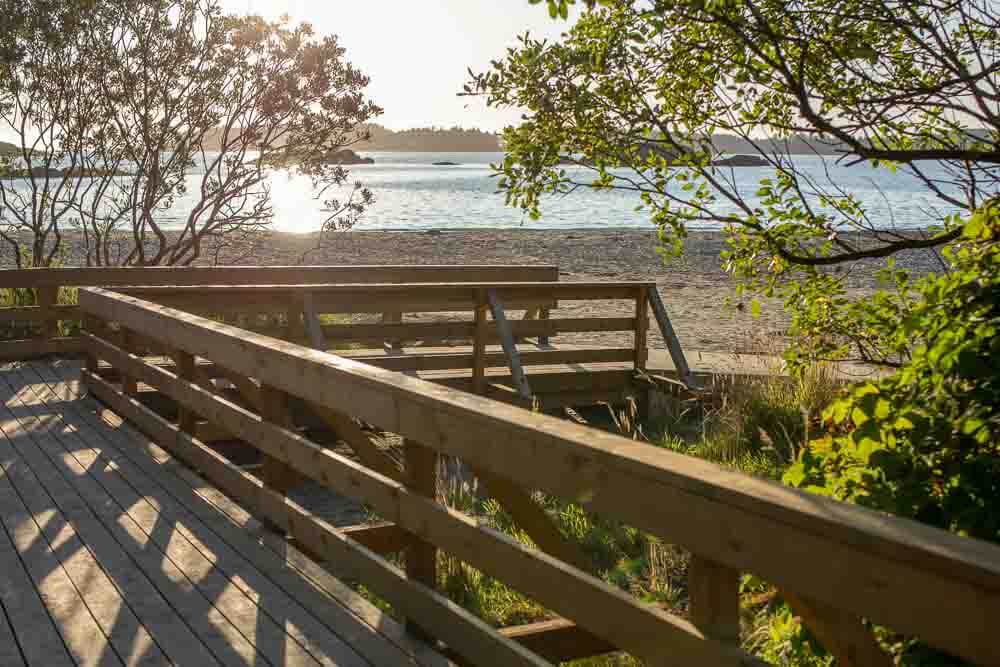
pixel 417 52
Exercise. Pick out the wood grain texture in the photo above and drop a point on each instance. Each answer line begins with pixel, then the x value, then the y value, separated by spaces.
pixel 269 275
pixel 600 608
pixel 558 640
pixel 714 594
pixel 334 607
pixel 39 314
pixel 479 342
pixel 746 524
pixel 641 343
pixel 32 348
pixel 421 556
pixel 463 632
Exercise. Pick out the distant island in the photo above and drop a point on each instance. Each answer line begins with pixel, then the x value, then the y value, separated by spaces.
pixel 8 149
pixel 431 140
pixel 72 172
pixel 288 159
pixel 464 140
pixel 741 161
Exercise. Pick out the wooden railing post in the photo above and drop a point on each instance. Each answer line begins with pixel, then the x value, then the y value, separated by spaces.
pixel 421 556
pixel 393 317
pixel 90 359
pixel 641 328
pixel 479 344
pixel 543 314
pixel 275 474
pixel 186 418
pixel 295 330
pixel 47 297
pixel 130 387
pixel 714 594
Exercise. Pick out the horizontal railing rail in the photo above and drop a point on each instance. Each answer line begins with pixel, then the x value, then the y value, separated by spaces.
pixel 835 563
pixel 271 275
pixel 245 304
pixel 35 330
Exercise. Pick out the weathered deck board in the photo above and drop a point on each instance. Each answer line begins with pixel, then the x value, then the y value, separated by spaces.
pixel 149 568
pixel 381 639
pixel 36 637
pixel 82 634
pixel 200 548
pixel 158 617
pixel 92 479
pixel 10 653
pixel 126 636
pixel 221 638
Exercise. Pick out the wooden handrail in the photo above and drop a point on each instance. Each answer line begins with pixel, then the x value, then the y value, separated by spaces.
pixel 43 337
pixel 257 275
pixel 594 604
pixel 910 577
pixel 624 289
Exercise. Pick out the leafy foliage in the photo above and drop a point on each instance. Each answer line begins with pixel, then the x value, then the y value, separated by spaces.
pixel 634 93
pixel 124 108
pixel 925 442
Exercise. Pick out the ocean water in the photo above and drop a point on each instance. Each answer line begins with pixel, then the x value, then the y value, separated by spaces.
pixel 413 194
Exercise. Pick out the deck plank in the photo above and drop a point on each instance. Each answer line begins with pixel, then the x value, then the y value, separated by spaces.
pixel 379 638
pixel 37 639
pixel 161 621
pixel 237 616
pixel 130 639
pixel 291 635
pixel 230 596
pixel 224 640
pixel 10 653
pixel 81 633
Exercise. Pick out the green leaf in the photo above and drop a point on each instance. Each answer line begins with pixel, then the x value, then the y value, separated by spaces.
pixel 755 307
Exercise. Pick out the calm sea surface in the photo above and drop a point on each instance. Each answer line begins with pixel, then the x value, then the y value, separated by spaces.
pixel 411 193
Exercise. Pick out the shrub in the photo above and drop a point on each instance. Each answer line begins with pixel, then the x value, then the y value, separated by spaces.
pixel 924 443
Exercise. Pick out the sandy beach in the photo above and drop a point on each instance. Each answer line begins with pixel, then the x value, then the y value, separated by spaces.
pixel 699 295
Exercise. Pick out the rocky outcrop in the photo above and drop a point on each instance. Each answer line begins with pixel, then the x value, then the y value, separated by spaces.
pixel 346 156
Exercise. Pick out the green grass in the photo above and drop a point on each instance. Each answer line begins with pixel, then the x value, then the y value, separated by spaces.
pixel 755 425
pixel 18 297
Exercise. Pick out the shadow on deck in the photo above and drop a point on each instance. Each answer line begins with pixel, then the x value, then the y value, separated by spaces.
pixel 113 553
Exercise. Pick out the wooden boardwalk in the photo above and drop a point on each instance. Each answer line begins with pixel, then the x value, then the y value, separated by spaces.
pixel 113 553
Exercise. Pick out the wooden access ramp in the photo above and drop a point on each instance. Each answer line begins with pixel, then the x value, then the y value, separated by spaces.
pixel 113 553
pixel 505 340
pixel 912 578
